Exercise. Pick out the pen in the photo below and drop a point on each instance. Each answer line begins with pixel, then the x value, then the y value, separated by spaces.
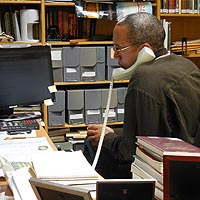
pixel 12 138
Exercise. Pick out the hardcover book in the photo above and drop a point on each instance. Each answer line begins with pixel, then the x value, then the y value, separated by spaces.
pixel 150 170
pixel 144 175
pixel 159 145
pixel 149 159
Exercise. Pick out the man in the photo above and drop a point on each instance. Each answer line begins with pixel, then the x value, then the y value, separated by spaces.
pixel 163 96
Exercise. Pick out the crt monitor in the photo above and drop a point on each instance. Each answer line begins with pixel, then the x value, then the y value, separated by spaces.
pixel 182 176
pixel 25 74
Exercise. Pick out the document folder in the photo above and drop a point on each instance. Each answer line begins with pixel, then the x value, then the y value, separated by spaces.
pixel 92 63
pixel 75 106
pixel 56 57
pixel 121 93
pixel 112 116
pixel 56 112
pixel 93 106
pixel 111 62
pixel 71 63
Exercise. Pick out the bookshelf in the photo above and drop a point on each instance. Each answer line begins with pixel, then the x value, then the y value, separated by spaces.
pixel 103 27
pixel 184 24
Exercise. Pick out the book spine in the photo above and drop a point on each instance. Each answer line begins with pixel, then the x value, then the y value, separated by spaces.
pixel 165 6
pixel 60 23
pixel 172 6
pixel 65 25
pixel 183 6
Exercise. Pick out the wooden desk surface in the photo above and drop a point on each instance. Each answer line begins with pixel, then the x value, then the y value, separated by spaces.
pixel 42 133
pixel 3 183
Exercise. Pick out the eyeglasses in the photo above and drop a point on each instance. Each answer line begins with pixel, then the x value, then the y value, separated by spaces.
pixel 118 49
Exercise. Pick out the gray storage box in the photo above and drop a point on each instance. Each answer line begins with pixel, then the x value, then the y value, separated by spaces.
pixel 71 63
pixel 92 63
pixel 93 106
pixel 112 116
pixel 121 93
pixel 56 57
pixel 56 112
pixel 75 106
pixel 111 62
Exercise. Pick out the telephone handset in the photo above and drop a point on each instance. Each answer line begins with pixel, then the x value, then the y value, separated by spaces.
pixel 145 55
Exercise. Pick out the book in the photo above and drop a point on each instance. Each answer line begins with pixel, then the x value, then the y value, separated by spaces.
pixel 16 28
pixel 158 194
pixel 159 145
pixel 172 6
pixel 144 175
pixel 138 171
pixel 65 24
pixel 60 23
pixel 7 23
pixel 164 6
pixel 149 159
pixel 150 170
pixel 61 165
pixel 183 6
pixel 58 138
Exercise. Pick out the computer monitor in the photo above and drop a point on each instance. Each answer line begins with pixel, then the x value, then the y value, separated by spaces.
pixel 181 176
pixel 25 74
pixel 46 190
pixel 125 189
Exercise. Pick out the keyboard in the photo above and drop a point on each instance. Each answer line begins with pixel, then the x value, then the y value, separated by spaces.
pixel 14 126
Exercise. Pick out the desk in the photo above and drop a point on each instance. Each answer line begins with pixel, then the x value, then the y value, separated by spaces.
pixel 42 133
pixel 3 183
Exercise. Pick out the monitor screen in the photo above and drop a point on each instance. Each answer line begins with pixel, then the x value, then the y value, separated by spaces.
pixel 25 74
pixel 125 189
pixel 181 177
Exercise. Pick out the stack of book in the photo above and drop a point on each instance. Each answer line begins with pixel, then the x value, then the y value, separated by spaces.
pixel 148 161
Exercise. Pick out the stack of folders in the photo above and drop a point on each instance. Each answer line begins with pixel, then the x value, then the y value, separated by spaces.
pixel 148 161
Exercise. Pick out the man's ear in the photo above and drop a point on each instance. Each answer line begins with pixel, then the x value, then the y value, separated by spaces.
pixel 146 44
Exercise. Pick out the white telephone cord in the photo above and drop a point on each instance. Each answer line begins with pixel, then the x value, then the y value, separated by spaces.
pixel 104 126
